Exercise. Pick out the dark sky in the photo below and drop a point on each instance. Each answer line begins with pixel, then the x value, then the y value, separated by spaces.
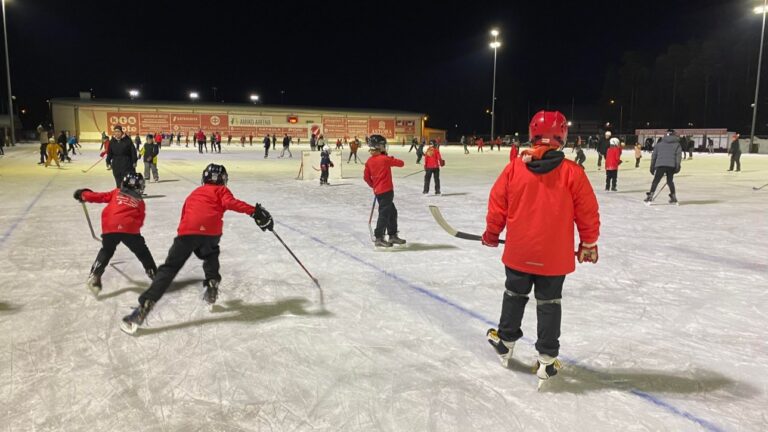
pixel 430 57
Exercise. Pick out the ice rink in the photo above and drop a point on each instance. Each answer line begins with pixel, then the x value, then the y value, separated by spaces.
pixel 667 332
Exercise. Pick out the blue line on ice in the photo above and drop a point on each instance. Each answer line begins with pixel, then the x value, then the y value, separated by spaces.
pixel 421 290
pixel 24 214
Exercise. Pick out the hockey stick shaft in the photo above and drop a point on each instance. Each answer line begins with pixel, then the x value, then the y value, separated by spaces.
pixel 659 192
pixel 91 167
pixel 314 279
pixel 758 188
pixel 413 174
pixel 370 218
pixel 90 225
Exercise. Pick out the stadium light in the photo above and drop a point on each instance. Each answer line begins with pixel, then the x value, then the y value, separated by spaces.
pixel 254 98
pixel 194 96
pixel 762 11
pixel 133 93
pixel 495 44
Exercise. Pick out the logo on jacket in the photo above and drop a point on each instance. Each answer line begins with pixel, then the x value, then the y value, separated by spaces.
pixel 123 199
pixel 202 227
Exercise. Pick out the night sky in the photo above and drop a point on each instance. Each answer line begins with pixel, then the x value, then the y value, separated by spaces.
pixel 430 57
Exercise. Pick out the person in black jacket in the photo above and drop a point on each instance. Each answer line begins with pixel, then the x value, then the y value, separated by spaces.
pixel 735 151
pixel 62 141
pixel 149 156
pixel 121 155
pixel 665 161
pixel 602 147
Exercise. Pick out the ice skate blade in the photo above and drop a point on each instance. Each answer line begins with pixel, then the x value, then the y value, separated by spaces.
pixel 94 290
pixel 129 328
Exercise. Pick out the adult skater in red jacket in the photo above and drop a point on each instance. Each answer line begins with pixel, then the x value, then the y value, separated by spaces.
pixel 121 222
pixel 513 151
pixel 612 162
pixel 199 232
pixel 433 160
pixel 378 175
pixel 538 198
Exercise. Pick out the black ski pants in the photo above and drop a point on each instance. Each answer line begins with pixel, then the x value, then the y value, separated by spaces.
pixel 204 247
pixel 428 173
pixel 661 172
pixel 200 145
pixel 610 178
pixel 387 220
pixel 735 159
pixel 134 242
pixel 43 153
pixel 548 291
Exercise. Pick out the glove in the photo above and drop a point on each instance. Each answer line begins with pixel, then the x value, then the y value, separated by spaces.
pixel 587 252
pixel 79 194
pixel 102 154
pixel 653 171
pixel 263 218
pixel 490 240
pixel 677 169
pixel 331 164
pixel 442 163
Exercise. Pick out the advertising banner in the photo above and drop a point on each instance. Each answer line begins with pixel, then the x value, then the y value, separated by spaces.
pixel 357 127
pixel 382 126
pixel 214 122
pixel 154 122
pixel 184 122
pixel 248 121
pixel 128 120
pixel 335 127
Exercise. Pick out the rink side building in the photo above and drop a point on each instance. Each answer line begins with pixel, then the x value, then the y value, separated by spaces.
pixel 89 117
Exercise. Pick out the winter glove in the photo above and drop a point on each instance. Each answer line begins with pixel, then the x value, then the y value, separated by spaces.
pixel 79 194
pixel 331 164
pixel 587 252
pixel 677 169
pixel 653 171
pixel 442 163
pixel 490 239
pixel 263 218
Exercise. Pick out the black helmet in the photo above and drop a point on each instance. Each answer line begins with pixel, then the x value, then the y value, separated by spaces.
pixel 377 142
pixel 432 142
pixel 134 182
pixel 215 174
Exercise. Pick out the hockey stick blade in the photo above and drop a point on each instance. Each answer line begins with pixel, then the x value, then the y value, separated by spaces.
pixel 451 230
pixel 758 188
pixel 90 225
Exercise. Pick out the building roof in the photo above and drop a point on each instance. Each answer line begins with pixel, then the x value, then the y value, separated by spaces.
pixel 203 106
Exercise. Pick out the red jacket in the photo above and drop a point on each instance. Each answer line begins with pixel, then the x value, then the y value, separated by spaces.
pixel 203 211
pixel 378 173
pixel 513 153
pixel 432 158
pixel 123 213
pixel 199 136
pixel 218 138
pixel 158 139
pixel 539 211
pixel 612 158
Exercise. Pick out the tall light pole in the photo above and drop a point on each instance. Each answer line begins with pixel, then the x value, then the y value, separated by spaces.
pixel 758 10
pixel 8 70
pixel 495 45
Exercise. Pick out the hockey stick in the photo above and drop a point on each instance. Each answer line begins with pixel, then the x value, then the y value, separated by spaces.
pixel 370 218
pixel 90 225
pixel 451 230
pixel 758 188
pixel 314 279
pixel 657 194
pixel 91 167
pixel 413 174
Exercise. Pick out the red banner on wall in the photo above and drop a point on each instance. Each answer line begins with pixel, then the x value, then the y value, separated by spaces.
pixel 183 122
pixel 154 122
pixel 214 122
pixel 335 127
pixel 128 120
pixel 381 126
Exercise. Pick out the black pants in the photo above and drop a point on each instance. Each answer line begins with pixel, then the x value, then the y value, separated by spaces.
pixel 413 146
pixel 428 173
pixel 200 145
pixel 599 159
pixel 323 174
pixel 43 153
pixel 418 157
pixel 266 152
pixel 204 247
pixel 580 160
pixel 134 242
pixel 548 291
pixel 610 179
pixel 661 172
pixel 216 147
pixel 119 174
pixel 637 162
pixel 387 220
pixel 735 160
pixel 351 154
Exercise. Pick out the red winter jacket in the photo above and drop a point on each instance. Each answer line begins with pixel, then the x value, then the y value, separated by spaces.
pixel 612 158
pixel 199 136
pixel 432 158
pixel 159 139
pixel 203 211
pixel 539 211
pixel 378 173
pixel 124 213
pixel 513 153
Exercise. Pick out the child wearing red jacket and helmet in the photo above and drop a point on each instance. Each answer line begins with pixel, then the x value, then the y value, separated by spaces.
pixel 612 162
pixel 121 222
pixel 538 198
pixel 433 160
pixel 378 175
pixel 199 232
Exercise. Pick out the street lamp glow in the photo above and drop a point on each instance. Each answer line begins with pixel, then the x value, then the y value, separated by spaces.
pixel 760 10
pixel 133 93
pixel 495 44
pixel 494 32
pixel 569 123
pixel 193 95
pixel 254 98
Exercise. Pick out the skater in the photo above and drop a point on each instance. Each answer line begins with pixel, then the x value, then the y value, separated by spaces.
pixel 312 142
pixel 353 146
pixel 200 138
pixel 267 143
pixel 338 144
pixel 497 142
pixel 420 151
pixel 218 142
pixel 178 139
pixel 199 232
pixel 121 155
pixel 213 142
pixel 72 143
pixel 62 141
pixel 250 139
pixel 612 162
pixel 378 175
pixel 137 142
pixel 684 146
pixel 433 161
pixel 121 222
pixel 580 157
pixel 735 151
pixel 325 165
pixel 547 195
pixel 149 154
pixel 242 140
pixel 320 143
pixel 665 161
pixel 710 145
pixel 274 141
pixel 286 146
pixel 638 154
pixel 463 142
pixel 480 143
pixel 53 153
pixel 414 144
pixel 513 151
pixel 602 147
pixel 170 138
pixel 229 139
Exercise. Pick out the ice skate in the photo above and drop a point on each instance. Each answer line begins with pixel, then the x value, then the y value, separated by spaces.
pixel 395 240
pixel 211 292
pixel 380 242
pixel 131 322
pixel 94 284
pixel 545 368
pixel 503 348
pixel 673 199
pixel 648 198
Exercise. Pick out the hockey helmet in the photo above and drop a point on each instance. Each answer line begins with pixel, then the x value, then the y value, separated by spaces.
pixel 134 182
pixel 614 141
pixel 548 128
pixel 215 174
pixel 377 142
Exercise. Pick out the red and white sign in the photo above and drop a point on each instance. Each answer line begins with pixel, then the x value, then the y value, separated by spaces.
pixel 381 126
pixel 357 127
pixel 154 122
pixel 181 122
pixel 334 127
pixel 214 122
pixel 128 120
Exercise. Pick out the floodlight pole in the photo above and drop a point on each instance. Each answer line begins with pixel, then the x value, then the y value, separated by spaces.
pixel 757 83
pixel 8 70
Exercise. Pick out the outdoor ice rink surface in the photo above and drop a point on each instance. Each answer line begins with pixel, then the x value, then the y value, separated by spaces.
pixel 667 332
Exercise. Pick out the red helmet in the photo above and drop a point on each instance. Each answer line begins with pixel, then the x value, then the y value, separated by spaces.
pixel 548 128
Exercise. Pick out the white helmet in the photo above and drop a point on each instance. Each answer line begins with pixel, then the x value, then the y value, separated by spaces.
pixel 614 141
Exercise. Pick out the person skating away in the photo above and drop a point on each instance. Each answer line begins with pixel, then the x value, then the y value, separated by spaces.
pixel 267 143
pixel 53 153
pixel 325 165
pixel 229 139
pixel 274 142
pixel 666 160
pixel 378 175
pixel 638 154
pixel 121 155
pixel 463 142
pixel 735 151
pixel 602 147
pixel 433 161
pixel 199 232
pixel 121 222
pixel 538 198
pixel 420 151
pixel 354 145
pixel 250 139
pixel 218 142
pixel 580 156
pixel 286 146
pixel 149 154
pixel 480 143
pixel 612 162
pixel 414 144
pixel 62 141
pixel 242 140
